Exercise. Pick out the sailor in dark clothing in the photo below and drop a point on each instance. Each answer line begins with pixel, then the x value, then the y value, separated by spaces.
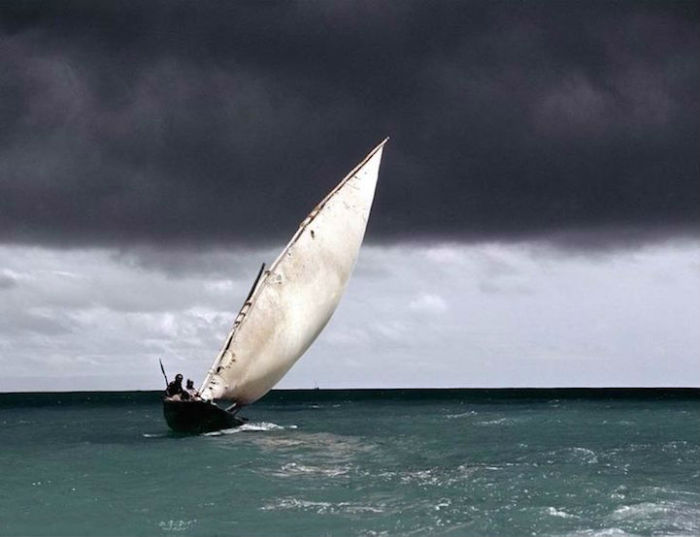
pixel 175 387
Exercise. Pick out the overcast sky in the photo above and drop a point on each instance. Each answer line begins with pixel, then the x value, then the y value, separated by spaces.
pixel 537 215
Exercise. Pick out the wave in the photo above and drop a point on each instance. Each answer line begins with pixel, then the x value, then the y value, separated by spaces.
pixel 585 455
pixel 605 532
pixel 341 449
pixel 461 415
pixel 553 511
pixel 294 469
pixel 263 426
pixel 498 421
pixel 176 526
pixel 321 508
pixel 671 517
pixel 155 435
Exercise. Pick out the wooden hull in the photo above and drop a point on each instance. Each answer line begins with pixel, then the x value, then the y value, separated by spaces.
pixel 195 417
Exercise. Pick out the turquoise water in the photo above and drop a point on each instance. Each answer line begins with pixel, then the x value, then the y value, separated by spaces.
pixel 356 463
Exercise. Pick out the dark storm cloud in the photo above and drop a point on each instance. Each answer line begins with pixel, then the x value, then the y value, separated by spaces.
pixel 226 121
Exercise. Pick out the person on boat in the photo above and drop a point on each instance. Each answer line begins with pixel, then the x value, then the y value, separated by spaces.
pixel 190 389
pixel 175 388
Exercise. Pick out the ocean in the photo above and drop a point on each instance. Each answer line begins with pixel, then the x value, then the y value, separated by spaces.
pixel 368 462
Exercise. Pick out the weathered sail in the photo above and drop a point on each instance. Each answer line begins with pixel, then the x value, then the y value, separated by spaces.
pixel 292 301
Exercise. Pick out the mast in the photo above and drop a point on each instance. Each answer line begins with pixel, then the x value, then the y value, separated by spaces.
pixel 290 303
pixel 241 315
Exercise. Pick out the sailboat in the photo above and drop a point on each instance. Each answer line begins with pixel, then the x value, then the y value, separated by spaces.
pixel 287 307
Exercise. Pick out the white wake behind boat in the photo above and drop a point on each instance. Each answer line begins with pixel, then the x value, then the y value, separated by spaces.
pixel 288 305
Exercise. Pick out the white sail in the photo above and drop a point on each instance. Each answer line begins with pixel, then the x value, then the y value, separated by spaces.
pixel 292 301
